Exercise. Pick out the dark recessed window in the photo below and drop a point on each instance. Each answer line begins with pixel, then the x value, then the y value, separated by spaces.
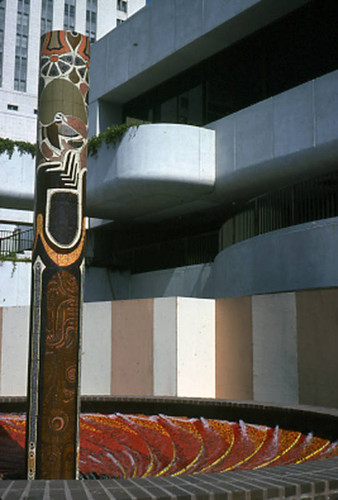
pixel 21 47
pixel 91 15
pixel 35 111
pixel 13 107
pixel 291 51
pixel 122 5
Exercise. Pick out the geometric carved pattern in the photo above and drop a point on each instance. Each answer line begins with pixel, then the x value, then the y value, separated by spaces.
pixel 58 255
pixel 59 377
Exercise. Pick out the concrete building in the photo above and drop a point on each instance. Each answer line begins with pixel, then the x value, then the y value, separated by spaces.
pixel 227 194
pixel 22 22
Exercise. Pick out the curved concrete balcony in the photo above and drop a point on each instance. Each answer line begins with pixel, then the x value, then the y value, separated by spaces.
pixel 156 170
pixel 164 170
pixel 295 258
pixel 17 181
pixel 276 142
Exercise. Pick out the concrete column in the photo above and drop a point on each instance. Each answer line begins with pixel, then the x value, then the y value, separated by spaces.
pixel 317 323
pixel 14 349
pixel 275 364
pixel 165 346
pixel 195 347
pixel 80 16
pixel 234 358
pixel 1 311
pixel 58 14
pixel 8 63
pixel 132 347
pixel 106 11
pixel 33 47
pixel 96 348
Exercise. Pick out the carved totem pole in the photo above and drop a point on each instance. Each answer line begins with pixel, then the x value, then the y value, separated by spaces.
pixel 58 258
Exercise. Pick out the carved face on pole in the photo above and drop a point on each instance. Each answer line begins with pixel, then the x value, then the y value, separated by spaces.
pixel 58 257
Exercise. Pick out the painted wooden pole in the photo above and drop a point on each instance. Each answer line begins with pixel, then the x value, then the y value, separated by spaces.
pixel 58 258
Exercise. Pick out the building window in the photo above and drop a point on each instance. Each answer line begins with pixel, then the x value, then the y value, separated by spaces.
pixel 13 107
pixel 2 30
pixel 119 21
pixel 21 48
pixel 91 19
pixel 46 16
pixel 122 5
pixel 287 53
pixel 69 15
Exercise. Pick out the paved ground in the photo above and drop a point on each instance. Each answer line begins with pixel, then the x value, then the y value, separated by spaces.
pixel 315 480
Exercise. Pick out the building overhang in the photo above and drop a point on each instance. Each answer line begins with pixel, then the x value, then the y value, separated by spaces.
pixel 165 38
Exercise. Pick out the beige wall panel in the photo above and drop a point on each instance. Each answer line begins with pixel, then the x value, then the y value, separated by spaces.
pixel 317 324
pixel 132 347
pixel 234 362
pixel 15 321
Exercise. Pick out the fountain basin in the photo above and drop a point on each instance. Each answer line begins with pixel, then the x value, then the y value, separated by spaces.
pixel 134 437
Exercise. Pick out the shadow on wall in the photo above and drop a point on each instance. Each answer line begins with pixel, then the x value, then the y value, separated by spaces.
pixel 192 281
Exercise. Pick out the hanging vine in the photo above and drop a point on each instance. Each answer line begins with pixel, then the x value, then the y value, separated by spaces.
pixel 111 136
pixel 8 146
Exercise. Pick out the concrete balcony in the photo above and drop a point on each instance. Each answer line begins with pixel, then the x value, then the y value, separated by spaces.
pixel 163 170
pixel 156 170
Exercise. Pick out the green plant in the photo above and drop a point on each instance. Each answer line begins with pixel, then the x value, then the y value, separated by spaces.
pixel 110 136
pixel 8 145
pixel 12 257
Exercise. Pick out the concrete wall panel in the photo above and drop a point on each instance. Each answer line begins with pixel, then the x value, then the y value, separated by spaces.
pixel 96 349
pixel 195 347
pixel 14 353
pixel 293 123
pixel 275 370
pixel 165 346
pixel 0 350
pixel 317 323
pixel 132 347
pixel 234 358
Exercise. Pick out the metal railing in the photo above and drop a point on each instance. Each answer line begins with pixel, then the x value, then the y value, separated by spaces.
pixel 16 241
pixel 310 200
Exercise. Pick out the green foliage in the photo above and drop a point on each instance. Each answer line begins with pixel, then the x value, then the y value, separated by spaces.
pixel 12 257
pixel 110 136
pixel 8 146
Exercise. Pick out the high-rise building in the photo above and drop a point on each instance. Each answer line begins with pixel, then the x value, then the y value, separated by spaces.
pixel 22 22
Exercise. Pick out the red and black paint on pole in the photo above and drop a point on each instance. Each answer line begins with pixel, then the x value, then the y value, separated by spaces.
pixel 58 258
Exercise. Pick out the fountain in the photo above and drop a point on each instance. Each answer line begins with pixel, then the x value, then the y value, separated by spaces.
pixel 130 439
pixel 130 446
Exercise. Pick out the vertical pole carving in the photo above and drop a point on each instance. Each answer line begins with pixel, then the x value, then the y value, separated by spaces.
pixel 57 260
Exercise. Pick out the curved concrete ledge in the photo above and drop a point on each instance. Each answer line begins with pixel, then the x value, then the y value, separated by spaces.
pixel 278 141
pixel 155 167
pixel 163 170
pixel 17 181
pixel 322 422
pixel 299 257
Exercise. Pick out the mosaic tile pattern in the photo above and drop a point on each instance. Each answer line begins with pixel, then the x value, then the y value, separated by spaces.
pixel 132 446
pixel 58 256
